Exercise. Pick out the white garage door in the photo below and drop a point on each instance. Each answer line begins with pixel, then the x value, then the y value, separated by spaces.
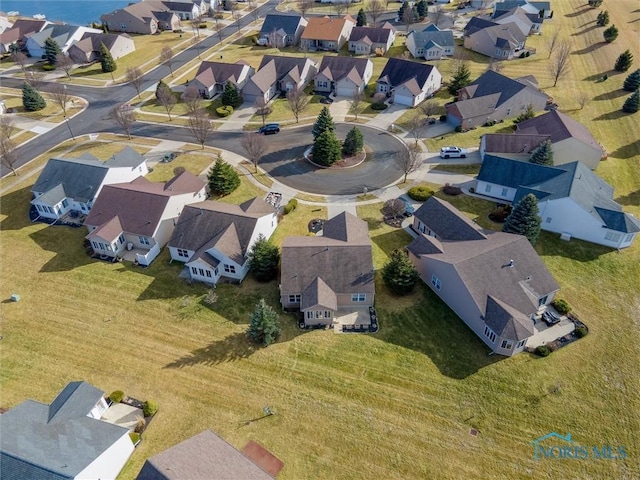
pixel 346 91
pixel 403 100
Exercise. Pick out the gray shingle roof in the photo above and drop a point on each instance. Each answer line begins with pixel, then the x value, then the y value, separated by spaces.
pixel 341 257
pixel 54 441
pixel 127 157
pixel 80 178
pixel 507 322
pixel 337 68
pixel 211 73
pixel 398 71
pixel 491 83
pixel 477 23
pixel 513 173
pixel 444 38
pixel 319 295
pixel 202 457
pixel 280 21
pixel 513 142
pixel 376 35
pixel 443 219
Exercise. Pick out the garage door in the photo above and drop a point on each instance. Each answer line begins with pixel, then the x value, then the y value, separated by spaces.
pixel 345 91
pixel 403 100
pixel 453 120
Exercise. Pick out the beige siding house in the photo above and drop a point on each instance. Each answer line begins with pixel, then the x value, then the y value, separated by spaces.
pixel 141 17
pixel 343 76
pixel 278 75
pixel 89 47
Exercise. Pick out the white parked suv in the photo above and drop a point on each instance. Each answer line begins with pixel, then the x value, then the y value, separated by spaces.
pixel 453 152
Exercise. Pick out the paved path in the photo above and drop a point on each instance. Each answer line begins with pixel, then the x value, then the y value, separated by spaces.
pixel 387 117
pixel 238 119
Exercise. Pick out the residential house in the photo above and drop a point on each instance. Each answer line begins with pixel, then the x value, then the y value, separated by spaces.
pixel 281 30
pixel 570 139
pixel 18 33
pixel 369 40
pixel 141 17
pixel 63 35
pixel 502 42
pixel 407 82
pixel 327 33
pixel 516 146
pixel 187 10
pixel 572 200
pixel 542 9
pixel 212 77
pixel 528 23
pixel 89 47
pixel 278 75
pixel 208 456
pixel 431 43
pixel 343 76
pixel 72 185
pixel 494 97
pixel 329 275
pixel 64 440
pixel 136 219
pixel 494 281
pixel 5 22
pixel 213 239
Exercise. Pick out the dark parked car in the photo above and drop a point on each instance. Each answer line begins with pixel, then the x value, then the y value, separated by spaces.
pixel 408 208
pixel 270 128
pixel 550 318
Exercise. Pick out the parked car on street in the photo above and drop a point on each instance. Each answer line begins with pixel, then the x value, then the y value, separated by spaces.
pixel 453 152
pixel 270 129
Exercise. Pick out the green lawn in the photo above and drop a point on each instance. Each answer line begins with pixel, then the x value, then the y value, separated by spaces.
pixel 395 405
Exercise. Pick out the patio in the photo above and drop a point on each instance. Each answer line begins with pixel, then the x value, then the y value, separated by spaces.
pixel 355 320
pixel 544 333
pixel 122 415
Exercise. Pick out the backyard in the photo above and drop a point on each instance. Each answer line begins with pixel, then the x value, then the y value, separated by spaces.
pixel 396 405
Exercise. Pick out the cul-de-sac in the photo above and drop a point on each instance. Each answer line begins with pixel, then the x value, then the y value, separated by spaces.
pixel 298 239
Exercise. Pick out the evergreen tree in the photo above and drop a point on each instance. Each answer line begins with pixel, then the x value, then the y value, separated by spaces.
pixel 632 82
pixel 632 103
pixel 223 179
pixel 231 96
pixel 624 61
pixel 603 19
pixel 399 274
pixel 162 87
pixel 524 219
pixel 528 114
pixel 353 143
pixel 326 148
pixel 51 51
pixel 31 98
pixel 264 327
pixel 323 122
pixel 106 60
pixel 263 259
pixel 361 19
pixel 460 79
pixel 422 8
pixel 402 9
pixel 595 3
pixel 610 34
pixel 543 155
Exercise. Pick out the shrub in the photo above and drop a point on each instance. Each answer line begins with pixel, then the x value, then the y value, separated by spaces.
pixel 218 16
pixel 47 67
pixel 224 111
pixel 459 128
pixel 451 190
pixel 522 55
pixel 290 206
pixel 135 437
pixel 542 351
pixel 293 202
pixel 288 209
pixel 378 106
pixel 117 396
pixel 140 424
pixel 149 408
pixel 203 25
pixel 561 306
pixel 420 193
pixel 581 331
pixel 472 190
pixel 443 118
pixel 527 54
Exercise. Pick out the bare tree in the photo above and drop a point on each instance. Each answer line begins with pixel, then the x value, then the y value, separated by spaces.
pixel 192 100
pixel 356 101
pixel 297 101
pixel 200 126
pixel 263 109
pixel 429 108
pixel 583 98
pixel 167 99
pixel 35 78
pixel 8 156
pixel 408 159
pixel 340 6
pixel 495 65
pixel 559 66
pixel 60 97
pixel 253 10
pixel 416 128
pixel 195 26
pixel 304 6
pixel 394 208
pixel 166 56
pixel 408 17
pixel 255 146
pixel 196 43
pixel 437 13
pixel 235 13
pixel 124 116
pixel 65 63
pixel 219 27
pixel 7 127
pixel 553 42
pixel 134 76
pixel 19 59
pixel 374 9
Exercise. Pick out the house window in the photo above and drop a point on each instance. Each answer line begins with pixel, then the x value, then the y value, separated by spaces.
pixel 419 51
pixel 359 297
pixel 208 272
pixel 505 191
pixel 50 209
pixel 144 240
pixel 521 344
pixel 547 220
pixel 309 315
pixel 201 271
pixel 194 270
pixel 229 268
pixel 435 281
pixel 327 314
pixel 508 111
pixel 121 239
pixel 629 237
pixel 182 253
pixel 318 313
pixel 489 334
pixel 215 271
pixel 65 203
pixel 543 300
pixel 294 298
pixel 487 188
pixel 612 236
pixel 38 207
pixel 108 247
pixel 506 344
pixel 95 244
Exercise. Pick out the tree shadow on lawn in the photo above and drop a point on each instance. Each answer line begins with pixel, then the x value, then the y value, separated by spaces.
pixel 15 207
pixel 584 30
pixel 577 13
pixel 431 328
pixel 611 95
pixel 627 151
pixel 631 199
pixel 589 49
pixel 612 115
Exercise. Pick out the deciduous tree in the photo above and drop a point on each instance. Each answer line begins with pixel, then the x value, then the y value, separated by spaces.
pixel 8 157
pixel 356 101
pixel 559 66
pixel 165 97
pixel 65 63
pixel 394 208
pixel 134 76
pixel 408 159
pixel 222 178
pixel 399 274
pixel 524 219
pixel 304 6
pixel 124 116
pixel 553 41
pixel 60 97
pixel 375 8
pixel 192 100
pixel 19 59
pixel 264 327
pixel 200 126
pixel 166 56
pixel 298 101
pixel 255 146
pixel 263 259
pixel 263 109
